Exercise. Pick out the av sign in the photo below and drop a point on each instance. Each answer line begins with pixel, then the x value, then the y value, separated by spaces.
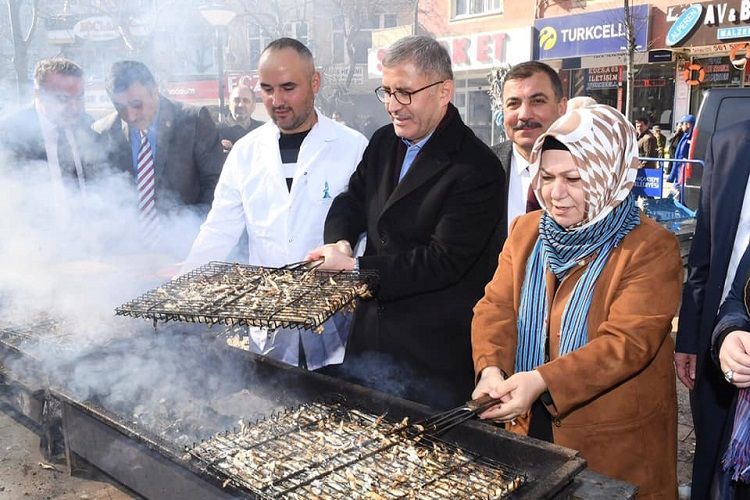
pixel 707 22
pixel 601 32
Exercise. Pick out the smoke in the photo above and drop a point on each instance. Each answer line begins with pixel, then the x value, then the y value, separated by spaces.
pixel 68 260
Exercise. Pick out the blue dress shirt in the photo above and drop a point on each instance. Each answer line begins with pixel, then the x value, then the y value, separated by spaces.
pixel 411 153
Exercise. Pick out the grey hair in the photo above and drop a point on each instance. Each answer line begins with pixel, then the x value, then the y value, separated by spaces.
pixel 427 54
pixel 57 65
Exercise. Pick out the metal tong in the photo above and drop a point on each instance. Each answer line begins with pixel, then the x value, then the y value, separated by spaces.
pixel 306 264
pixel 442 422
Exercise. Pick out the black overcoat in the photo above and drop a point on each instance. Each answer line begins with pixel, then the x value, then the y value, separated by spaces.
pixel 725 178
pixel 433 239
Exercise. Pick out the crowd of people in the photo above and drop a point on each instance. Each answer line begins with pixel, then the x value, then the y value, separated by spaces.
pixel 524 271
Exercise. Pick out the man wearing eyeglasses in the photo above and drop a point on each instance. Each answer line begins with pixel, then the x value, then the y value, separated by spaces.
pixel 52 137
pixel 428 194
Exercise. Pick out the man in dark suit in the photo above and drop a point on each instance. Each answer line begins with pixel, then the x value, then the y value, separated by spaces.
pixel 721 237
pixel 532 99
pixel 54 132
pixel 240 120
pixel 182 141
pixel 429 196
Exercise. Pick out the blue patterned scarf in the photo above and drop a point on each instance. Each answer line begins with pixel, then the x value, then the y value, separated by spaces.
pixel 737 456
pixel 560 251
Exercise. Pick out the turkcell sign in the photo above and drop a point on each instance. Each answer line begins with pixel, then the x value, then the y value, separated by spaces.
pixel 601 32
pixel 684 25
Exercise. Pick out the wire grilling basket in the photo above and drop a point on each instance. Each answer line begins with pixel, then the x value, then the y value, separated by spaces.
pixel 293 296
pixel 329 450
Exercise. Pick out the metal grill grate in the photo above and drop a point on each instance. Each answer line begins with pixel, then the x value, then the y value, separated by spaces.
pixel 332 451
pixel 51 333
pixel 236 294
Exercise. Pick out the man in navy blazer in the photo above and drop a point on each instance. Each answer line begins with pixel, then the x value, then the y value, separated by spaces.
pixel 721 237
pixel 429 196
pixel 188 154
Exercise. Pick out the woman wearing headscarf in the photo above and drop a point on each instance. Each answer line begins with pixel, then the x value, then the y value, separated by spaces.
pixel 731 350
pixel 572 335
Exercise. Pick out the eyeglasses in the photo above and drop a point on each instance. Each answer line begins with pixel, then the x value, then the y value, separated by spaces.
pixel 403 97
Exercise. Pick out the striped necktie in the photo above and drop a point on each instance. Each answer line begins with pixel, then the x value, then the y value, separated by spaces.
pixel 146 192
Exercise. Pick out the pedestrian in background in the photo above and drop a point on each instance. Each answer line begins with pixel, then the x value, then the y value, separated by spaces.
pixel 682 152
pixel 647 147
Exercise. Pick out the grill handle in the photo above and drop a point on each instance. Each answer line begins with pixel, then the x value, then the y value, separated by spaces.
pixel 481 403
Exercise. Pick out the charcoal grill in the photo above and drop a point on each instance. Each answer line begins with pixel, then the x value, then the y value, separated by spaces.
pixel 236 294
pixel 157 467
pixel 329 450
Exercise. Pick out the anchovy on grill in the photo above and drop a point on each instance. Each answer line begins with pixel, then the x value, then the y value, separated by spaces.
pixel 332 451
pixel 235 294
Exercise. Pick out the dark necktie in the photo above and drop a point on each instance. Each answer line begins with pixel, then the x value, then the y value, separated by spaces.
pixel 65 156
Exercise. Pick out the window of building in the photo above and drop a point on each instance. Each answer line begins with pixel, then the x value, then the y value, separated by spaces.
pixel 362 40
pixel 467 8
pixel 258 41
pixel 297 30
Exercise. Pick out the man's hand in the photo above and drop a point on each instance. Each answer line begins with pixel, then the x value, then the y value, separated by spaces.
pixel 735 355
pixel 685 365
pixel 517 394
pixel 337 256
pixel 226 144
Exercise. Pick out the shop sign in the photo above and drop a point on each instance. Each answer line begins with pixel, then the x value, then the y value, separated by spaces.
pixel 601 32
pixel 103 28
pixel 195 90
pixel 478 51
pixel 651 82
pixel 733 33
pixel 244 79
pixel 602 78
pixel 96 29
pixel 659 56
pixel 648 182
pixel 705 23
pixel 718 71
pixel 684 24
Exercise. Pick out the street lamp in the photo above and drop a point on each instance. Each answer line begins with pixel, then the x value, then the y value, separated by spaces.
pixel 219 16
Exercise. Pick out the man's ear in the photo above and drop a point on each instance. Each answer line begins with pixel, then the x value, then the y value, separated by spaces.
pixel 316 80
pixel 446 92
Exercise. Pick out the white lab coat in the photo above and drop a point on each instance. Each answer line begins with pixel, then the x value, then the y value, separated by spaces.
pixel 282 226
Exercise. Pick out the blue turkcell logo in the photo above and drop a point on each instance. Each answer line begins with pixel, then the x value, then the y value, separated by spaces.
pixel 684 24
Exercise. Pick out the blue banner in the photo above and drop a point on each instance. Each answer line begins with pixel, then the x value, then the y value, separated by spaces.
pixel 601 32
pixel 648 183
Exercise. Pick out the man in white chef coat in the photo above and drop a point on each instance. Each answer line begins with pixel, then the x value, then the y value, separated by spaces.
pixel 278 184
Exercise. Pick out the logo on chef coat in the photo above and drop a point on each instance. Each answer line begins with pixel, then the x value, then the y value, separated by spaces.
pixel 326 191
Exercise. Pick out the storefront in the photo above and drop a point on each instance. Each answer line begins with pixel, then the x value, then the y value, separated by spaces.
pixel 590 52
pixel 473 56
pixel 710 41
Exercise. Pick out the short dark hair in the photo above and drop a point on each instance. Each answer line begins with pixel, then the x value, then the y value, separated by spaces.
pixel 290 43
pixel 643 119
pixel 57 65
pixel 524 70
pixel 123 74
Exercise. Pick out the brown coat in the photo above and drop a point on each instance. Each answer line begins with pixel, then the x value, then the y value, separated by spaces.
pixel 614 398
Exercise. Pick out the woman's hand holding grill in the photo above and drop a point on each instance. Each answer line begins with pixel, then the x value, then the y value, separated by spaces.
pixel 517 394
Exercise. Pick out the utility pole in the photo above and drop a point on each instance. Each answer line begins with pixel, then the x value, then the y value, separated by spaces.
pixel 630 48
